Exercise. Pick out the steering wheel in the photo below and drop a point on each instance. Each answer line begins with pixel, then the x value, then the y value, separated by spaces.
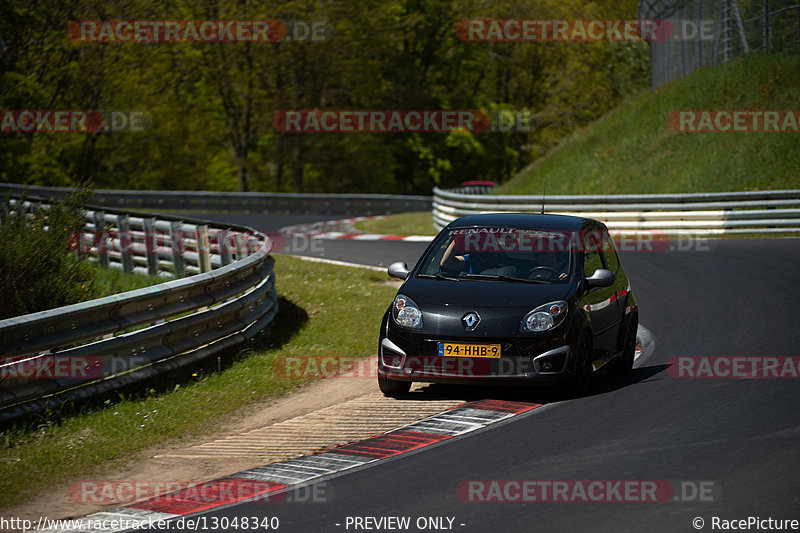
pixel 555 272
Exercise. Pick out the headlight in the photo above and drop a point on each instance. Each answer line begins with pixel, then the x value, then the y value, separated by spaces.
pixel 545 317
pixel 406 313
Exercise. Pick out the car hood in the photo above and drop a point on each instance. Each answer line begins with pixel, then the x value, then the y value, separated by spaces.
pixel 476 293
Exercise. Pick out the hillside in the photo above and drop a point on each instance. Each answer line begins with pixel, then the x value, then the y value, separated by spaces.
pixel 632 149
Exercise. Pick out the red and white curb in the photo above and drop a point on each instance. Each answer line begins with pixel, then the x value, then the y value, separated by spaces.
pixel 325 231
pixel 269 482
pixel 339 235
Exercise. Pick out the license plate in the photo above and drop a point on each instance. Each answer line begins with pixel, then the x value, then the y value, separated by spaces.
pixel 457 349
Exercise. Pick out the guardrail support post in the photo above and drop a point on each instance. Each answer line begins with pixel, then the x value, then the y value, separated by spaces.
pixel 224 246
pixel 151 246
pixel 241 246
pixel 100 237
pixel 176 239
pixel 203 252
pixel 125 243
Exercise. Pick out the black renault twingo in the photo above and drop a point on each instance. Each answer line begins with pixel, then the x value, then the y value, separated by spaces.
pixel 510 299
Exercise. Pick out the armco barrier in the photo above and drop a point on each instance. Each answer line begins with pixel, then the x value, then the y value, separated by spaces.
pixel 125 339
pixel 704 214
pixel 256 202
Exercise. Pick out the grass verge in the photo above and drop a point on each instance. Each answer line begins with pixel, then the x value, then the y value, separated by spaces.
pixel 108 281
pixel 325 310
pixel 416 223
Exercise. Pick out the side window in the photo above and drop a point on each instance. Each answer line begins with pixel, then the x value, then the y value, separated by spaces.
pixel 610 254
pixel 591 255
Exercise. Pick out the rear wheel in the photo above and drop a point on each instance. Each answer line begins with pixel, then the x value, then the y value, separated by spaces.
pixel 393 387
pixel 624 364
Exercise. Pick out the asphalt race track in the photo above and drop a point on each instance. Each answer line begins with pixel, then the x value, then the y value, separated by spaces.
pixel 739 436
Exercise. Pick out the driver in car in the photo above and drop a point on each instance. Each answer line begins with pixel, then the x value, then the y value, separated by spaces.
pixel 548 266
pixel 471 263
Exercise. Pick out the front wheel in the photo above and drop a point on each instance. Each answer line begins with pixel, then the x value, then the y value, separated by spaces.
pixel 624 364
pixel 392 387
pixel 583 366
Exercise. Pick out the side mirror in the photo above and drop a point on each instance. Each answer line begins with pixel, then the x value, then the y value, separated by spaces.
pixel 600 278
pixel 399 270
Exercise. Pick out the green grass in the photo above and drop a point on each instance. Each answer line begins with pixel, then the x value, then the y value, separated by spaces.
pixel 632 151
pixel 108 281
pixel 324 310
pixel 417 223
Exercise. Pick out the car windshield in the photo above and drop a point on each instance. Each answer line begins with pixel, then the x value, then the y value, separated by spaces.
pixel 498 253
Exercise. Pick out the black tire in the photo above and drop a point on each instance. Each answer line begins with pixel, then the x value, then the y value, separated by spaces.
pixel 583 366
pixel 392 387
pixel 623 365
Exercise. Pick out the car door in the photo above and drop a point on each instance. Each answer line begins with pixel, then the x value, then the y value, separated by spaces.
pixel 612 262
pixel 599 302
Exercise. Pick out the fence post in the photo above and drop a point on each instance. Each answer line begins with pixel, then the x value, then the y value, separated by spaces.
pixel 176 239
pixel 125 243
pixel 100 237
pixel 682 42
pixel 765 29
pixel 700 40
pixel 241 246
pixel 224 246
pixel 203 252
pixel 151 245
pixel 740 25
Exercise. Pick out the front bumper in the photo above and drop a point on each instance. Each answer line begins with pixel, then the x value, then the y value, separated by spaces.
pixel 523 362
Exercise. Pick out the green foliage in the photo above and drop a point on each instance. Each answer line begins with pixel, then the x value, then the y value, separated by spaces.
pixel 212 104
pixel 36 265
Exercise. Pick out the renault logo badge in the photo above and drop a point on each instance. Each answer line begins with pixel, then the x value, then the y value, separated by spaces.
pixel 470 320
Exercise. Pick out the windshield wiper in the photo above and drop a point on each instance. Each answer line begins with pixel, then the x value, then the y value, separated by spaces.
pixel 437 276
pixel 506 278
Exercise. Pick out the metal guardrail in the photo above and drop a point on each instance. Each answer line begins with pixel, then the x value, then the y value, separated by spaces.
pixel 708 214
pixel 163 245
pixel 334 204
pixel 94 347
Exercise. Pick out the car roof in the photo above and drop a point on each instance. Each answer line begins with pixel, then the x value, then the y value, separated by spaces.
pixel 525 221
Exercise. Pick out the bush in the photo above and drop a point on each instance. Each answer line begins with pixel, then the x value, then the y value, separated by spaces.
pixel 37 268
